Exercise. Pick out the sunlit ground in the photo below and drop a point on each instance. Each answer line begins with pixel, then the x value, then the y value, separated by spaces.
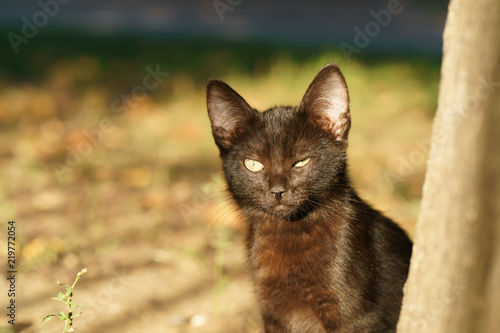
pixel 130 187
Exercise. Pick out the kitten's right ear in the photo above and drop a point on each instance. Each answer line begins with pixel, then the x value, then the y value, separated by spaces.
pixel 327 102
pixel 229 113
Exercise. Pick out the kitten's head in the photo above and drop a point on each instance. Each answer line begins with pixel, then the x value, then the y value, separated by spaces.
pixel 286 161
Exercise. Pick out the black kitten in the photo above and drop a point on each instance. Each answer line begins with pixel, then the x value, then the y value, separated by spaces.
pixel 321 259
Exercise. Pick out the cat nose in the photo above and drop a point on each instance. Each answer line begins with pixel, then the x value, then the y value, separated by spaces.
pixel 278 193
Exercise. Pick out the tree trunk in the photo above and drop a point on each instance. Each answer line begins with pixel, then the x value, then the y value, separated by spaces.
pixel 454 280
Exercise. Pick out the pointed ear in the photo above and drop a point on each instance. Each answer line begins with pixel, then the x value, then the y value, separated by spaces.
pixel 229 113
pixel 327 102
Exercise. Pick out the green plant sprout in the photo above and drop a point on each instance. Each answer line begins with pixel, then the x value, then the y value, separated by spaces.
pixel 67 298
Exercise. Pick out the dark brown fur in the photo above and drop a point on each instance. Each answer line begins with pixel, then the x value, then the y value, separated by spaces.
pixel 321 259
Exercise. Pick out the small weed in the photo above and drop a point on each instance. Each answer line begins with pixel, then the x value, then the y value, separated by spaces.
pixel 67 298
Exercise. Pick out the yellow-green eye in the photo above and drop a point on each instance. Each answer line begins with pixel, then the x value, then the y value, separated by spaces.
pixel 302 163
pixel 253 165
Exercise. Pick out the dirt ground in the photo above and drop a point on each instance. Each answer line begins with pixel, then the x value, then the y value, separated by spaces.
pixel 143 275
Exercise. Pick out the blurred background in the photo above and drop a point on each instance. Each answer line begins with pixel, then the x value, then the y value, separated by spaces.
pixel 107 160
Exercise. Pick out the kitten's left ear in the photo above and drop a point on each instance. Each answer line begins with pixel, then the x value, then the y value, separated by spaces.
pixel 327 102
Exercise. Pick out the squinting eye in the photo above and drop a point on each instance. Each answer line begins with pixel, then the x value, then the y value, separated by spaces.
pixel 253 165
pixel 302 163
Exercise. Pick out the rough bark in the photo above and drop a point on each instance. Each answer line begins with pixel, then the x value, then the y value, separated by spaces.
pixel 454 281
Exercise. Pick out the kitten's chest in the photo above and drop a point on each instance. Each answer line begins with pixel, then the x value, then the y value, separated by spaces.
pixel 285 259
pixel 293 262
pixel 290 253
pixel 293 278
